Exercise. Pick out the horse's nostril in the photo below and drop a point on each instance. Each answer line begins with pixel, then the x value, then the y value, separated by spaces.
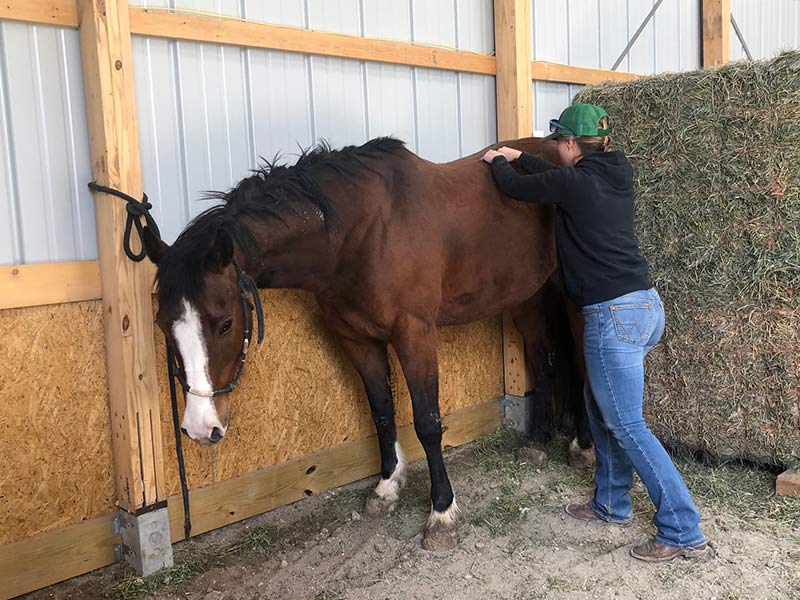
pixel 184 432
pixel 216 435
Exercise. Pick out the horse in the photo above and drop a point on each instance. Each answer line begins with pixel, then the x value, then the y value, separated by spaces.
pixel 391 245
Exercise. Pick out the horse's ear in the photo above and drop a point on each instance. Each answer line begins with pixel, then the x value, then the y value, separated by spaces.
pixel 220 254
pixel 154 246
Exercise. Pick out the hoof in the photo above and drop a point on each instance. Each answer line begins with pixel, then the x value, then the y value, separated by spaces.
pixel 580 459
pixel 534 455
pixel 439 537
pixel 377 506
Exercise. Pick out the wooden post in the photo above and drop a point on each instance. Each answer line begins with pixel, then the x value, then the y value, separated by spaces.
pixel 512 41
pixel 130 357
pixel 716 32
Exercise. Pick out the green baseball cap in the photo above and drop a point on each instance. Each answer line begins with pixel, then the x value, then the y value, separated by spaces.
pixel 579 120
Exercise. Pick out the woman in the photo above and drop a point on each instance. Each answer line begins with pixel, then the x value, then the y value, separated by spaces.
pixel 604 274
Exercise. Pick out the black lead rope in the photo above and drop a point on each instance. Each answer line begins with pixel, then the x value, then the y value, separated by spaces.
pixel 173 394
pixel 135 210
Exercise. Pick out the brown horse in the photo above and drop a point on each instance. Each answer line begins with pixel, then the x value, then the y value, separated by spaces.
pixel 392 246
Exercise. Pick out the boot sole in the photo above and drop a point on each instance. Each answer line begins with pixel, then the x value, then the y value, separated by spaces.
pixel 682 553
pixel 596 519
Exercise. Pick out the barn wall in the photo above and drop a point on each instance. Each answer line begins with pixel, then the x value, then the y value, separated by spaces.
pixel 767 27
pixel 299 395
pixel 56 463
pixel 46 211
pixel 208 112
pixel 593 33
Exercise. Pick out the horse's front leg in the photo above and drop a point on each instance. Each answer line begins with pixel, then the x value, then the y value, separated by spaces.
pixel 415 343
pixel 372 363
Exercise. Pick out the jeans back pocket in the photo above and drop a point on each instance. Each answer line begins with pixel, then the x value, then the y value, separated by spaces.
pixel 633 322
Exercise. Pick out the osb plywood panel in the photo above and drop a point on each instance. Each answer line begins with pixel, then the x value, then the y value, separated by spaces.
pixel 56 465
pixel 299 393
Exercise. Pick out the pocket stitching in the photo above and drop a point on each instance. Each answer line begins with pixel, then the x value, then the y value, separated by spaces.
pixel 619 328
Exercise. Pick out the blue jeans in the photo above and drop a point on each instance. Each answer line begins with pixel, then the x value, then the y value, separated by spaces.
pixel 617 335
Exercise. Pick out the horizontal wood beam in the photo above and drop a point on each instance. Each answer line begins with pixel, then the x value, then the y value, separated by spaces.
pixel 197 28
pixel 274 37
pixel 51 557
pixel 57 555
pixel 53 283
pixel 62 13
pixel 547 71
pixel 49 283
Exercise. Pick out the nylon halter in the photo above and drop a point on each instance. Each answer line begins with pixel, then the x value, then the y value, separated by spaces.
pixel 247 289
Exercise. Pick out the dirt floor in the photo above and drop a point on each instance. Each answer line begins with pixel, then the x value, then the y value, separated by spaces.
pixel 515 543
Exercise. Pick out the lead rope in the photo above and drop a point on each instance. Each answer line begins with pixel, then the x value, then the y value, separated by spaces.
pixel 135 210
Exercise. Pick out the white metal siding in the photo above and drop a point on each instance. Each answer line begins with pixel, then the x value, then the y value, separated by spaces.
pixel 593 33
pixel 208 112
pixel 46 210
pixel 767 27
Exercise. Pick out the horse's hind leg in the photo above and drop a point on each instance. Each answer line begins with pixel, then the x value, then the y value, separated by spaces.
pixel 371 361
pixel 415 343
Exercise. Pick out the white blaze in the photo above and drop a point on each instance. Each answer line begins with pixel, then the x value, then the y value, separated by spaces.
pixel 200 416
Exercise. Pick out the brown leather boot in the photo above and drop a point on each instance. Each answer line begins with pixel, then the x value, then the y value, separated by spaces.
pixel 583 512
pixel 652 551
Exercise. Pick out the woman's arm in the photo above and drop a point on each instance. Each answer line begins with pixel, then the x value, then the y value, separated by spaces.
pixel 533 164
pixel 527 162
pixel 546 187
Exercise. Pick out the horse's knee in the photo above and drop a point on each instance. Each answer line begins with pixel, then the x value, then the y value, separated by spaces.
pixel 429 430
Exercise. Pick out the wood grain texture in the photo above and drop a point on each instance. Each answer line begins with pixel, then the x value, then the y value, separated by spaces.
pixel 274 37
pixel 56 462
pixel 512 38
pixel 716 32
pixel 49 283
pixel 114 144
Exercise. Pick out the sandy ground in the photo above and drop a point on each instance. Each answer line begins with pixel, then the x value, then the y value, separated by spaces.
pixel 515 543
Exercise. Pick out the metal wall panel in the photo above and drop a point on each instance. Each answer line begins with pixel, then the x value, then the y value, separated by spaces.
pixel 767 27
pixel 208 112
pixel 46 210
pixel 593 33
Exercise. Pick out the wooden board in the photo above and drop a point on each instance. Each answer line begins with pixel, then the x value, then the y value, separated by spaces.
pixel 253 493
pixel 512 34
pixel 716 32
pixel 46 12
pixel 300 394
pixel 274 37
pixel 49 283
pixel 788 483
pixel 107 59
pixel 547 71
pixel 56 462
pixel 46 559
pixel 55 556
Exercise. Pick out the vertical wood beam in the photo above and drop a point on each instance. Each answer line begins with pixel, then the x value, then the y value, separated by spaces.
pixel 512 42
pixel 107 60
pixel 716 32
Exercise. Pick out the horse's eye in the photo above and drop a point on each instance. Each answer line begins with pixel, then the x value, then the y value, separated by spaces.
pixel 226 327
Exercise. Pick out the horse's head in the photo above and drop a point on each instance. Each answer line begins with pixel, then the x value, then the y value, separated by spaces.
pixel 204 310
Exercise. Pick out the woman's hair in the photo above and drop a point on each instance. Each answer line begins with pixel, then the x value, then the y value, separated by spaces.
pixel 593 143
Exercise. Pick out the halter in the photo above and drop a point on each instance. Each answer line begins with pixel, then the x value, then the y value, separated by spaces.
pixel 247 289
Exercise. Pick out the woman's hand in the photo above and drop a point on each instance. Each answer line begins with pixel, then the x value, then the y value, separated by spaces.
pixel 490 156
pixel 509 153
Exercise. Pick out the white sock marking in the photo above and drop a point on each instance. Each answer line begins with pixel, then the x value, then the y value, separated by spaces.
pixel 446 518
pixel 389 489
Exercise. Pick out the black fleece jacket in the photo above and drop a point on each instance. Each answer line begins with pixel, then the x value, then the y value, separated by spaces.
pixel 598 255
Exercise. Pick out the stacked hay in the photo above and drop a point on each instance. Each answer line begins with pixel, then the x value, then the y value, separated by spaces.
pixel 717 161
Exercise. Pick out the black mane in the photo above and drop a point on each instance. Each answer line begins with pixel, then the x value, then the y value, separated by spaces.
pixel 269 193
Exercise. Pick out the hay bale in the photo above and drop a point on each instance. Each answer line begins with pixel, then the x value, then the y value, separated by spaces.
pixel 717 170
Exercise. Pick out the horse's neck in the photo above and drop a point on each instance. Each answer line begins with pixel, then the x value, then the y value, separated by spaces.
pixel 295 253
